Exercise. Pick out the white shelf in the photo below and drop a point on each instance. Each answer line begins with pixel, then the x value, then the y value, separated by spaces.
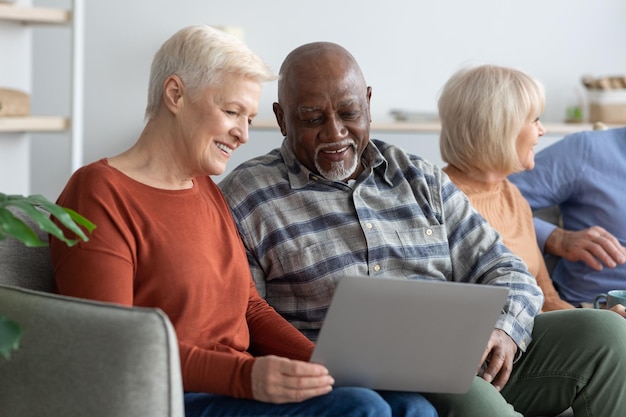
pixel 42 15
pixel 34 124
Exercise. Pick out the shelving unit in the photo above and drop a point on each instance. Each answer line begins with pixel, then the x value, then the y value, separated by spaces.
pixel 434 127
pixel 32 16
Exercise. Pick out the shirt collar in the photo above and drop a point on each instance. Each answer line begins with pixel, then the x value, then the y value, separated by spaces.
pixel 299 175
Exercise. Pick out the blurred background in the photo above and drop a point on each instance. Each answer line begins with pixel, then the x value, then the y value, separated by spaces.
pixel 407 50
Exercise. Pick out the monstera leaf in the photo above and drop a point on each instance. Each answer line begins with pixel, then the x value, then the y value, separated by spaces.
pixel 30 206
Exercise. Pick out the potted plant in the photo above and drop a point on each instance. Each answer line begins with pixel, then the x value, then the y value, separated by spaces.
pixel 10 225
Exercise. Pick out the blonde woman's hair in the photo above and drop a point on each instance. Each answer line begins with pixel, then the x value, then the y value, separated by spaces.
pixel 200 56
pixel 482 111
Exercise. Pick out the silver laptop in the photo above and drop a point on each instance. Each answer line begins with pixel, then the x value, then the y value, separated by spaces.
pixel 406 334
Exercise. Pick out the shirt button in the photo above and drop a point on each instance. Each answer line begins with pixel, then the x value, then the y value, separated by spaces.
pixel 429 232
pixel 368 225
pixel 376 268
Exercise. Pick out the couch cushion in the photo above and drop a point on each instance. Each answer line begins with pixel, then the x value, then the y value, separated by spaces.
pixel 23 266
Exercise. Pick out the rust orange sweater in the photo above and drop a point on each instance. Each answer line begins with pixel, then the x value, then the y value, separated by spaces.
pixel 178 251
pixel 507 211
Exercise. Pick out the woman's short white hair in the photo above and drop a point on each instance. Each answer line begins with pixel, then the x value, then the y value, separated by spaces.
pixel 482 111
pixel 200 56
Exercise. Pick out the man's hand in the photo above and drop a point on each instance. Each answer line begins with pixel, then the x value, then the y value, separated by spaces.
pixel 281 380
pixel 595 246
pixel 499 355
pixel 619 309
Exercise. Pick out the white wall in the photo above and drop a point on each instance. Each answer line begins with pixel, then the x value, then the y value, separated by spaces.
pixel 15 60
pixel 407 50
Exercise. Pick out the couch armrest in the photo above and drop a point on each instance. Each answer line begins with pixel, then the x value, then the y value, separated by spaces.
pixel 84 358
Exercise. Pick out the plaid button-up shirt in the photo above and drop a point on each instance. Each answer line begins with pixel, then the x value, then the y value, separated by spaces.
pixel 402 217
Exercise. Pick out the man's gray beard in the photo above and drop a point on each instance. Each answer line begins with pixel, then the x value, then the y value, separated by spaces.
pixel 338 171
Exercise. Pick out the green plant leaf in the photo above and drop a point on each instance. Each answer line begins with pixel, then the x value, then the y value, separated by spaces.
pixel 10 334
pixel 11 225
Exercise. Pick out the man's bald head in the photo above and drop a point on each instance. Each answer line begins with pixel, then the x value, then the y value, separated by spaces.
pixel 316 61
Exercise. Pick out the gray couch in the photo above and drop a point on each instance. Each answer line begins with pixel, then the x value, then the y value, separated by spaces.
pixel 79 357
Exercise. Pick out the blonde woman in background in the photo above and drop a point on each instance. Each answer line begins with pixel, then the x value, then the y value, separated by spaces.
pixel 489 128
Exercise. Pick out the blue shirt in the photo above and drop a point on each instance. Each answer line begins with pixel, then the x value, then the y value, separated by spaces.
pixel 402 217
pixel 585 175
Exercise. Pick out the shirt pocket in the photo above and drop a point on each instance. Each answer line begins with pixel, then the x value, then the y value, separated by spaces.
pixel 313 269
pixel 426 252
pixel 306 280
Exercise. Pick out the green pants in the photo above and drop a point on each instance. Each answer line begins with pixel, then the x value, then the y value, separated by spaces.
pixel 577 359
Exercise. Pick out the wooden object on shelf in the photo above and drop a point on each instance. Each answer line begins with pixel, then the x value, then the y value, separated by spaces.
pixel 607 98
pixel 607 106
pixel 14 102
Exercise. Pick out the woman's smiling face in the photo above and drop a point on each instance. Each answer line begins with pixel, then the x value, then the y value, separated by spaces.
pixel 216 123
pixel 526 141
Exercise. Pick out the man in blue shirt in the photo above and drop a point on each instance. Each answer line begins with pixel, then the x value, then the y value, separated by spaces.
pixel 331 201
pixel 584 175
